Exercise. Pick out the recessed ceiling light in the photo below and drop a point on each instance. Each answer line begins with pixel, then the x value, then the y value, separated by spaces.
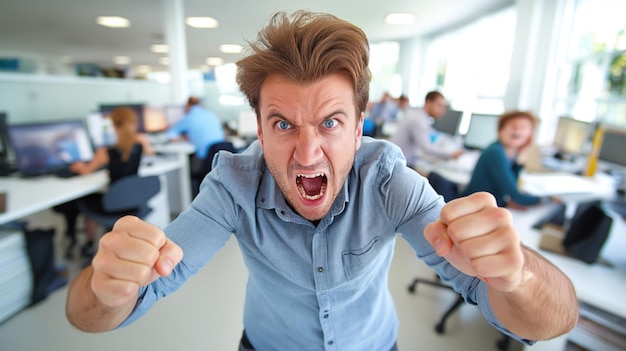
pixel 143 69
pixel 159 48
pixel 121 60
pixel 201 22
pixel 113 21
pixel 230 48
pixel 214 61
pixel 165 61
pixel 400 18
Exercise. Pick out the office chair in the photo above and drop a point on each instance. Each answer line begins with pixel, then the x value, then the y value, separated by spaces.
pixel 449 190
pixel 208 163
pixel 214 149
pixel 127 196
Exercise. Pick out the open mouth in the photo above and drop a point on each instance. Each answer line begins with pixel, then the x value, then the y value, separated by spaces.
pixel 311 186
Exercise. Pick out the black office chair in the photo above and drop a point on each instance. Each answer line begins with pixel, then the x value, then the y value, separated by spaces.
pixel 127 196
pixel 213 149
pixel 449 190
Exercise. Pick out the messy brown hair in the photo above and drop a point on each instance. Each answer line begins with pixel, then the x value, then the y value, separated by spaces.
pixel 507 116
pixel 305 47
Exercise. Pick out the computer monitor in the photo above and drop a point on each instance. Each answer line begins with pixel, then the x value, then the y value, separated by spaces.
pixel 449 122
pixel 4 143
pixel 154 119
pixel 49 147
pixel 247 125
pixel 613 149
pixel 6 166
pixel 481 132
pixel 572 136
pixel 107 109
pixel 100 129
pixel 174 113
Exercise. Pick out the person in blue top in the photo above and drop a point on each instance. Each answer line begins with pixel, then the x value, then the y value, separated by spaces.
pixel 499 165
pixel 316 208
pixel 200 127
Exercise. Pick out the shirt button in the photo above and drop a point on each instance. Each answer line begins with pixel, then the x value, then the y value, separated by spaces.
pixel 320 269
pixel 282 212
pixel 330 342
pixel 326 315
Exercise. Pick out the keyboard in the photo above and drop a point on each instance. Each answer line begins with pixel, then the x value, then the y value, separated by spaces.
pixel 65 173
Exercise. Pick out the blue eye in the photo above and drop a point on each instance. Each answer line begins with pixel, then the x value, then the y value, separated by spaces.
pixel 330 123
pixel 283 125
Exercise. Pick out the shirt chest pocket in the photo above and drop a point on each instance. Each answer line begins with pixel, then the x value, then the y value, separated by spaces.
pixel 359 261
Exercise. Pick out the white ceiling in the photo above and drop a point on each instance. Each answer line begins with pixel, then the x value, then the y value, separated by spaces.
pixel 55 28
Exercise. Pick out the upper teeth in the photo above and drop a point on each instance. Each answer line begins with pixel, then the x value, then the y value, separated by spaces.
pixel 311 175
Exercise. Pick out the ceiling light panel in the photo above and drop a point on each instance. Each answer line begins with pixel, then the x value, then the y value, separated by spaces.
pixel 214 61
pixel 121 60
pixel 201 22
pixel 400 18
pixel 113 21
pixel 230 48
pixel 160 48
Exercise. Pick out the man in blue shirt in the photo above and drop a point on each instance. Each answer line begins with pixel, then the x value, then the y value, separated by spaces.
pixel 316 208
pixel 201 127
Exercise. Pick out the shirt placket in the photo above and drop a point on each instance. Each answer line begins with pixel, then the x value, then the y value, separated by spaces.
pixel 322 288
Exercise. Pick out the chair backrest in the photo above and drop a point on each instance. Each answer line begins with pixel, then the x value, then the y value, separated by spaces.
pixel 214 149
pixel 445 187
pixel 130 192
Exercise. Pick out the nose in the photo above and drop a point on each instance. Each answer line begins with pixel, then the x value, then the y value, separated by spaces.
pixel 308 148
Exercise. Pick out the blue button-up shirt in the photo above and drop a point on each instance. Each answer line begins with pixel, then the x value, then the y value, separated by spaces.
pixel 202 128
pixel 313 287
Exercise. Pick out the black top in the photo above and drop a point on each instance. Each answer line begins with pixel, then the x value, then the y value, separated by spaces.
pixel 118 168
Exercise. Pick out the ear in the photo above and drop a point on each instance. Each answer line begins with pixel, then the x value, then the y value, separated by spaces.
pixel 359 130
pixel 259 134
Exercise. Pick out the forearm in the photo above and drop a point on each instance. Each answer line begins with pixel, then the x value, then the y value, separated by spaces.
pixel 85 311
pixel 544 306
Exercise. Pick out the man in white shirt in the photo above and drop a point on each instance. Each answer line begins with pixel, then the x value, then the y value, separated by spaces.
pixel 413 131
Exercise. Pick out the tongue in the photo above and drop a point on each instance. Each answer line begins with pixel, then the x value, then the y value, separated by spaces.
pixel 312 186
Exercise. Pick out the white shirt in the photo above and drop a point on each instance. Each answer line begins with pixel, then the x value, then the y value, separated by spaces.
pixel 413 136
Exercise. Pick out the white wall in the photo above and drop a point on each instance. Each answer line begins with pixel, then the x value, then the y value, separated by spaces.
pixel 33 97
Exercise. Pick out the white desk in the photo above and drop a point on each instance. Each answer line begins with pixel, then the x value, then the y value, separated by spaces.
pixel 181 150
pixel 458 170
pixel 26 196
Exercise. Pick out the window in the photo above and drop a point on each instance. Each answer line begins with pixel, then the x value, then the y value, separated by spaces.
pixel 592 76
pixel 470 65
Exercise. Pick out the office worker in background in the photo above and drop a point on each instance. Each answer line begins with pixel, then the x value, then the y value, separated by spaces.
pixel 499 165
pixel 121 159
pixel 383 111
pixel 414 130
pixel 200 127
pixel 315 208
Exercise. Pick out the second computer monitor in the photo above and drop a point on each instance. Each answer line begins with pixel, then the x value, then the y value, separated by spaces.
pixel 449 122
pixel 107 109
pixel 572 136
pixel 481 132
pixel 613 149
